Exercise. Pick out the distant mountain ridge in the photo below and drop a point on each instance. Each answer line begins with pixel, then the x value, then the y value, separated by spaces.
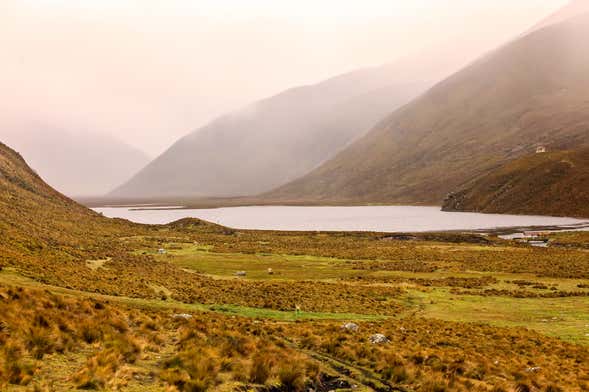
pixel 76 163
pixel 532 91
pixel 272 141
pixel 283 137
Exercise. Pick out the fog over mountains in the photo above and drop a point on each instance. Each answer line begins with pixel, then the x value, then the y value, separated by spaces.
pixel 273 141
pixel 281 138
pixel 371 135
pixel 77 164
pixel 570 10
pixel 533 91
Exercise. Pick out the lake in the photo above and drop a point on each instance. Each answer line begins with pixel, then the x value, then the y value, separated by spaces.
pixel 363 218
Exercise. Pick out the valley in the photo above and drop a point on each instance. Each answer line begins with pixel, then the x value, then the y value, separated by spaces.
pixel 407 227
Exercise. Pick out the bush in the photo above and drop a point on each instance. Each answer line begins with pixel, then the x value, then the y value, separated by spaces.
pixel 292 376
pixel 261 368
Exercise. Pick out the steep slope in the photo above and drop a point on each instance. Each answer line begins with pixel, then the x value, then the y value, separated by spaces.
pixel 36 219
pixel 555 183
pixel 77 164
pixel 51 239
pixel 530 92
pixel 273 141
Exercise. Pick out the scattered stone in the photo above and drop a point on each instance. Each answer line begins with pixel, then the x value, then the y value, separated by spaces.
pixel 182 316
pixel 379 338
pixel 534 369
pixel 241 273
pixel 351 327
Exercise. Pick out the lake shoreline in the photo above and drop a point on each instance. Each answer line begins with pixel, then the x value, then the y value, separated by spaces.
pixel 376 219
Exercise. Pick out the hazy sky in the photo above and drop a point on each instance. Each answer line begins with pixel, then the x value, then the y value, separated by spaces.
pixel 150 71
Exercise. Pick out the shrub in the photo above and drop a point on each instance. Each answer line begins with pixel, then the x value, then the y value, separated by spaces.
pixel 261 368
pixel 292 376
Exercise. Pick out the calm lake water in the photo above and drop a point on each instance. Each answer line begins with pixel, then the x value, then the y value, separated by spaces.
pixel 368 218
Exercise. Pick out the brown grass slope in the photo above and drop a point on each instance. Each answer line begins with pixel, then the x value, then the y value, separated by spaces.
pixel 38 221
pixel 532 91
pixel 555 183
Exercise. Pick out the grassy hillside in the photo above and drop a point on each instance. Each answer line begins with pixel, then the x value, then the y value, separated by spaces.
pixel 554 183
pixel 530 92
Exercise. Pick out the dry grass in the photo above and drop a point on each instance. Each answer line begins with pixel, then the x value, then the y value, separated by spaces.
pixel 50 341
pixel 124 348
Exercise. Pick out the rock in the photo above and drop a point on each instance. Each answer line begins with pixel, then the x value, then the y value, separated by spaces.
pixel 161 251
pixel 351 327
pixel 270 271
pixel 378 338
pixel 535 369
pixel 182 316
pixel 241 273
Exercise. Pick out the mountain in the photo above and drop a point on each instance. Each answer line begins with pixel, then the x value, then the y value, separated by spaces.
pixel 47 237
pixel 532 91
pixel 34 215
pixel 272 141
pixel 76 163
pixel 553 183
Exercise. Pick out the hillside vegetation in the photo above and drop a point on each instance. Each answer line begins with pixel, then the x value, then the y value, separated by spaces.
pixel 91 303
pixel 532 91
pixel 554 183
